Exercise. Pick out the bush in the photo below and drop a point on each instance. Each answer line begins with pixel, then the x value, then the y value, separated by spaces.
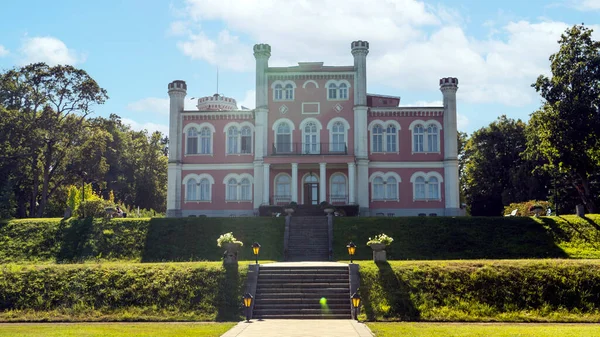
pixel 95 208
pixel 525 208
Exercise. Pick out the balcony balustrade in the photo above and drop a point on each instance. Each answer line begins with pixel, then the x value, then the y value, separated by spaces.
pixel 309 149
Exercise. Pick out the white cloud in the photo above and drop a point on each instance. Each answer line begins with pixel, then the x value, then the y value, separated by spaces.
pixel 156 105
pixel 249 100
pixel 3 51
pixel 424 103
pixel 462 121
pixel 151 127
pixel 586 5
pixel 412 45
pixel 50 50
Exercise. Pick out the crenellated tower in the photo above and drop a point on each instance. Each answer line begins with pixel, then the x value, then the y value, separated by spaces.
pixel 449 86
pixel 177 92
pixel 360 50
pixel 262 52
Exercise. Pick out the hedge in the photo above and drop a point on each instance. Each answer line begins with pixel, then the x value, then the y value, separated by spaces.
pixel 518 291
pixel 169 291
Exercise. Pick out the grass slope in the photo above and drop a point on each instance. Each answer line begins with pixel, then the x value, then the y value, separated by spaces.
pixel 116 330
pixel 501 290
pixel 446 238
pixel 478 330
pixel 198 291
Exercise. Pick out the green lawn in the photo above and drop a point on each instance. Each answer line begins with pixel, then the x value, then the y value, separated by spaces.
pixel 483 330
pixel 114 329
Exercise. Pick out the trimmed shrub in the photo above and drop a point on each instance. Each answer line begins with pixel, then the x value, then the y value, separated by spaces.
pixel 95 208
pixel 524 208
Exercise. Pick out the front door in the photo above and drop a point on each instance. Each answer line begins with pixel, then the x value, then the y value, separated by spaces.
pixel 311 193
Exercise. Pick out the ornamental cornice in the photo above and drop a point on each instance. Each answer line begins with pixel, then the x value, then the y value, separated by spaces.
pixel 428 112
pixel 327 76
pixel 227 115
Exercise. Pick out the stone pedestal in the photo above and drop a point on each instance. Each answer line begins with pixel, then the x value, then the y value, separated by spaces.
pixel 580 210
pixel 230 256
pixel 379 254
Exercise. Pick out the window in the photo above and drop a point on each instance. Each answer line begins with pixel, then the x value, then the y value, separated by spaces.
pixel 245 192
pixel 418 135
pixel 332 91
pixel 198 187
pixel 246 146
pixel 192 190
pixel 391 135
pixel 278 92
pixel 283 141
pixel 377 135
pixel 238 187
pixel 232 189
pixel 204 190
pixel 205 136
pixel 432 138
pixel 192 141
pixel 338 189
pixel 384 186
pixel 311 144
pixel 343 90
pixel 283 190
pixel 232 140
pixel 338 137
pixel 426 186
pixel 289 92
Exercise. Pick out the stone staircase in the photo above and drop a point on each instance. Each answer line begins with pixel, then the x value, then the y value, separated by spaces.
pixel 308 239
pixel 309 210
pixel 295 291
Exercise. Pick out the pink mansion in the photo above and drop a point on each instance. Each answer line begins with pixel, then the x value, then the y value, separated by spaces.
pixel 315 135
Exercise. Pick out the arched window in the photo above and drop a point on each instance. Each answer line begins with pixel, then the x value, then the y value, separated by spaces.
pixel 204 190
pixel 418 135
pixel 232 140
pixel 420 188
pixel 432 138
pixel 343 89
pixel 434 188
pixel 205 137
pixel 232 187
pixel 246 142
pixel 278 92
pixel 245 192
pixel 377 138
pixel 192 141
pixel 391 189
pixel 391 134
pixel 192 190
pixel 311 141
pixel 283 141
pixel 338 137
pixel 338 189
pixel 378 191
pixel 332 91
pixel 289 92
pixel 283 189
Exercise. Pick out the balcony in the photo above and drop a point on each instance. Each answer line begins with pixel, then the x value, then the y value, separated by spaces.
pixel 307 149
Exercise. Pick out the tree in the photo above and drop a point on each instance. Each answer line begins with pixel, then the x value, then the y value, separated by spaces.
pixel 495 174
pixel 565 132
pixel 52 105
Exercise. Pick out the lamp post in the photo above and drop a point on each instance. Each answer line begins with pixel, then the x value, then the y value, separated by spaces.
pixel 255 250
pixel 351 250
pixel 355 303
pixel 247 304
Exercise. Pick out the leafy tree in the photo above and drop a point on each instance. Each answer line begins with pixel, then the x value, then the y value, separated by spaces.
pixel 565 132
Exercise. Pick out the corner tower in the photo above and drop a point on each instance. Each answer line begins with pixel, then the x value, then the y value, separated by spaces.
pixel 177 91
pixel 449 86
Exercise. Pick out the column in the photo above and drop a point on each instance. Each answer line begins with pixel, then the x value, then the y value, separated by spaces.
pixel 266 180
pixel 362 187
pixel 295 182
pixel 258 184
pixel 322 182
pixel 351 182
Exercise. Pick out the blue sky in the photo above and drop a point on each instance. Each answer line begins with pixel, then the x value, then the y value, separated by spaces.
pixel 135 48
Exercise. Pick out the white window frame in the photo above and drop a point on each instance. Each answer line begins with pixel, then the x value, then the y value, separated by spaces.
pixel 304 180
pixel 425 125
pixel 275 185
pixel 198 179
pixel 199 128
pixel 285 93
pixel 237 195
pixel 238 139
pixel 292 129
pixel 385 176
pixel 384 135
pixel 330 125
pixel 427 176
pixel 346 194
pixel 187 140
pixel 339 90
pixel 319 127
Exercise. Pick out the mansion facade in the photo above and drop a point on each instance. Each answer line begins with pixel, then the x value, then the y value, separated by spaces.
pixel 315 135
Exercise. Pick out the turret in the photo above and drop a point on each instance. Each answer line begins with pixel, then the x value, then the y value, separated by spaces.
pixel 360 49
pixel 449 86
pixel 177 92
pixel 262 52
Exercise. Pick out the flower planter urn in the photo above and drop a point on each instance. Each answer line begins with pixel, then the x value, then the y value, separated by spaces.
pixel 328 210
pixel 379 254
pixel 231 252
pixel 288 211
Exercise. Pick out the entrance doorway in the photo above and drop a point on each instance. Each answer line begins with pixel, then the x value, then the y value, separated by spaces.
pixel 311 190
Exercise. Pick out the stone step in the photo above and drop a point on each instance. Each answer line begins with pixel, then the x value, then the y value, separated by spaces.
pixel 312 296
pixel 307 269
pixel 305 316
pixel 303 290
pixel 299 311
pixel 300 300
pixel 300 306
pixel 304 277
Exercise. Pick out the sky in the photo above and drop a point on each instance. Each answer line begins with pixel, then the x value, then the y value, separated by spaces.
pixel 134 48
